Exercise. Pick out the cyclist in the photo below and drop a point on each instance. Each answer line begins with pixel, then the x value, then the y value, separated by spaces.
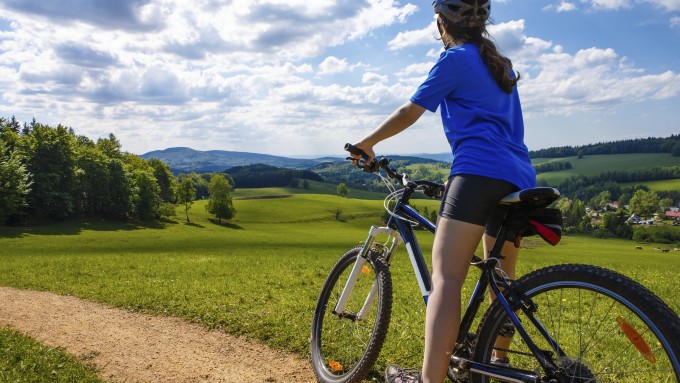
pixel 474 87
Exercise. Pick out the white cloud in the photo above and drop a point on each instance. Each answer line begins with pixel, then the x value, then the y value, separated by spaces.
pixel 331 65
pixel 272 73
pixel 675 22
pixel 566 6
pixel 610 4
pixel 374 78
pixel 669 5
pixel 562 6
pixel 417 37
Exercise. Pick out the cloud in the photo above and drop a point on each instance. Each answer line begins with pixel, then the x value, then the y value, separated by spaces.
pixel 668 5
pixel 610 4
pixel 84 56
pixel 331 65
pixel 110 14
pixel 417 37
pixel 675 22
pixel 269 74
pixel 562 6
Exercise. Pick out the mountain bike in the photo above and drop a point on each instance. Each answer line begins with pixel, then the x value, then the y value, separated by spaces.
pixel 564 323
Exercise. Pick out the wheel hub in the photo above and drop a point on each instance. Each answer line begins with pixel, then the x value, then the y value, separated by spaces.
pixel 576 371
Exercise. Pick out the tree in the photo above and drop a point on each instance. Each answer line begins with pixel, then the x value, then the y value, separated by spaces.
pixel 145 197
pixel 675 151
pixel 665 204
pixel 14 183
pixel 50 158
pixel 220 203
pixel 166 181
pixel 601 200
pixel 644 203
pixel 342 189
pixel 573 212
pixel 186 194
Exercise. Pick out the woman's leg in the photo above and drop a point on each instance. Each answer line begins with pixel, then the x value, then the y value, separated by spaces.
pixel 509 266
pixel 454 244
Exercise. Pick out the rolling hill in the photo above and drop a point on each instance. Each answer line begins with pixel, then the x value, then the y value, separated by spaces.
pixel 187 160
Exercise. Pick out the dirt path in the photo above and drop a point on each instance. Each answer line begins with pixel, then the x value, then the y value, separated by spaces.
pixel 131 347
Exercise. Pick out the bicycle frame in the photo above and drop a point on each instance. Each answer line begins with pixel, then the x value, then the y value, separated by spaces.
pixel 401 230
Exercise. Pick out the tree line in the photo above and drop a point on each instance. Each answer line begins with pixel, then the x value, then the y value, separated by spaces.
pixel 52 174
pixel 552 166
pixel 642 145
pixel 586 187
pixel 260 175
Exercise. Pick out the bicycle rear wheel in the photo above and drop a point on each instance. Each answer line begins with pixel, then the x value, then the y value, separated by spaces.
pixel 602 326
pixel 344 347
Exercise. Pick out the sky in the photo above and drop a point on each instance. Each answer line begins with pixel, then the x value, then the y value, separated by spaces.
pixel 301 78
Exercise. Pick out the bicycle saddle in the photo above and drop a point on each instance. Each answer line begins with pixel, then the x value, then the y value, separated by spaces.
pixel 534 197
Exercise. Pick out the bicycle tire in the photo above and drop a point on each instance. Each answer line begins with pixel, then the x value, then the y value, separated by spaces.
pixel 344 350
pixel 589 312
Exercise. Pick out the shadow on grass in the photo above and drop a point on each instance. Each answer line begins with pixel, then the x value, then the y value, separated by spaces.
pixel 192 224
pixel 76 227
pixel 226 224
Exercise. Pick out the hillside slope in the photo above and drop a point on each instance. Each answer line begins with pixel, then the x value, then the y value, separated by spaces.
pixel 187 160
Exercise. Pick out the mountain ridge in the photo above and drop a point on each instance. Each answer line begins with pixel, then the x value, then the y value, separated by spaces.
pixel 186 160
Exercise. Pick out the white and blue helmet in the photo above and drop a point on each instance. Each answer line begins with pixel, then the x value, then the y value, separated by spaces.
pixel 467 12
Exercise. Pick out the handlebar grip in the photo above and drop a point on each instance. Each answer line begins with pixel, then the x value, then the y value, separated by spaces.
pixel 356 151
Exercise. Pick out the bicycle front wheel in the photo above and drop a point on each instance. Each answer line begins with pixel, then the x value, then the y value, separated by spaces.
pixel 595 324
pixel 344 346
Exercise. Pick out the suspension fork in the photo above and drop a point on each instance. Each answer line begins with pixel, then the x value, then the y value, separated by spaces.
pixel 362 258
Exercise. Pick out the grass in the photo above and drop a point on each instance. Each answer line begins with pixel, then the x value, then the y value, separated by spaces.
pixel 23 360
pixel 260 274
pixel 593 165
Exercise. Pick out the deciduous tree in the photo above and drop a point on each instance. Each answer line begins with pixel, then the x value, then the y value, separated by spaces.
pixel 186 194
pixel 220 202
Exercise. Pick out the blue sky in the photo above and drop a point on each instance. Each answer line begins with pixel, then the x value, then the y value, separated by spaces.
pixel 301 78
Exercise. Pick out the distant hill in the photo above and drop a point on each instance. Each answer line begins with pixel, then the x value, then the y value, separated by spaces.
pixel 187 160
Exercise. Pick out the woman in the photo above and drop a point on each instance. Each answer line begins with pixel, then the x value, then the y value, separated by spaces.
pixel 474 87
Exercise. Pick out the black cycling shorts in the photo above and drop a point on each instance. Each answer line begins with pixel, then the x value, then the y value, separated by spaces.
pixel 474 199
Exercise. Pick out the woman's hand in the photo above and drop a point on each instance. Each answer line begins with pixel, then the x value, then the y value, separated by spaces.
pixel 366 148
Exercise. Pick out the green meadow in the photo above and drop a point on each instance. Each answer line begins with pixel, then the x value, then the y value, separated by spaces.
pixel 259 275
pixel 589 166
pixel 596 164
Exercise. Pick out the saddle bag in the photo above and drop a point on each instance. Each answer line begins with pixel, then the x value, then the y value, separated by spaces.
pixel 544 222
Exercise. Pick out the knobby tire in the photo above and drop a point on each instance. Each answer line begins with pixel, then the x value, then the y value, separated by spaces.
pixel 584 309
pixel 344 350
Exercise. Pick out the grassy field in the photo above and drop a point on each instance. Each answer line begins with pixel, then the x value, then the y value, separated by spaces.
pixel 23 360
pixel 260 274
pixel 592 165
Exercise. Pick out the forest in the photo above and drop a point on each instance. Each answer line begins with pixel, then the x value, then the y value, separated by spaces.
pixel 259 175
pixel 52 174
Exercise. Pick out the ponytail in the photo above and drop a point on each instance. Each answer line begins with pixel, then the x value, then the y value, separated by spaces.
pixel 499 65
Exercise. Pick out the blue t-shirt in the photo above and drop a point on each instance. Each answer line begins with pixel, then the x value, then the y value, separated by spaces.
pixel 482 123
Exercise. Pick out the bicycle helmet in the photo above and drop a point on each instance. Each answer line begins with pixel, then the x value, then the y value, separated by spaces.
pixel 468 12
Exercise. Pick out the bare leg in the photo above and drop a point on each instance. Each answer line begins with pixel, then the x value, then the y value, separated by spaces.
pixel 454 244
pixel 509 265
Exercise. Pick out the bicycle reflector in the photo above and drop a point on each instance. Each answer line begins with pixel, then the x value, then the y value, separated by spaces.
pixel 335 366
pixel 636 339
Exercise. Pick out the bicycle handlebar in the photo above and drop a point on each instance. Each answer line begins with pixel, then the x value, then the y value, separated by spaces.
pixel 431 189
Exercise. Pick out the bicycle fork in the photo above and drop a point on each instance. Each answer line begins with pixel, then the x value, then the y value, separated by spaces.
pixel 362 258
